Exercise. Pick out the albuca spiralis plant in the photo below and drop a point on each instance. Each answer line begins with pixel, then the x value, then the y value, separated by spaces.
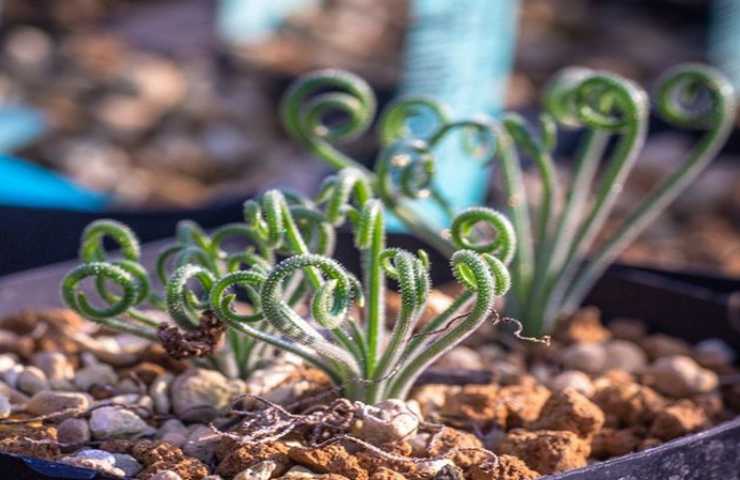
pixel 556 262
pixel 302 301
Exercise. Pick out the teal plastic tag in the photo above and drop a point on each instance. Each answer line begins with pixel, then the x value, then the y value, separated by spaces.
pixel 244 21
pixel 27 184
pixel 459 53
pixel 724 42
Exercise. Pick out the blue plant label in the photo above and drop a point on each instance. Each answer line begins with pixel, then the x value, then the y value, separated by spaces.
pixel 459 53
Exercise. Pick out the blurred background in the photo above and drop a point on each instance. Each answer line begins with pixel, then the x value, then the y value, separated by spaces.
pixel 156 110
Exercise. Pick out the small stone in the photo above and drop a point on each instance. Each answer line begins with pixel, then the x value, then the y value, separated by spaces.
pixel 13 395
pixel 714 353
pixel 546 451
pixel 712 404
pixel 659 345
pixel 270 377
pixel 199 395
pixel 172 425
pixel 388 421
pixel 329 459
pixel 237 458
pixel 574 379
pixel 383 473
pixel 114 422
pixel 583 327
pixel 479 403
pixel 10 376
pixel 126 115
pixel 461 358
pixel 98 455
pixel 127 463
pixel 628 404
pixel 624 355
pixel 147 372
pixel 201 443
pixel 96 459
pixel 302 473
pixel 680 376
pixel 523 403
pixel 431 397
pixel 678 420
pixel 32 380
pixel 54 365
pixel 572 411
pixel 165 475
pixel 159 81
pixel 16 344
pixel 451 443
pixel 610 442
pixel 7 361
pixel 586 357
pixel 73 431
pixel 35 440
pixel 628 329
pixel 128 386
pixel 159 456
pixel 506 467
pixel 175 438
pixel 260 471
pixel 28 48
pixel 100 374
pixel 48 401
pixel 5 407
pixel 159 391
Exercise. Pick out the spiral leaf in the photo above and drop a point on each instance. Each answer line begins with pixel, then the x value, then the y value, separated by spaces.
pixel 309 101
pixel 77 300
pixel 183 304
pixel 503 244
pixel 92 250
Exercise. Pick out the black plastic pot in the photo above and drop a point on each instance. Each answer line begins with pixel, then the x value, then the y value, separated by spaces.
pixel 686 305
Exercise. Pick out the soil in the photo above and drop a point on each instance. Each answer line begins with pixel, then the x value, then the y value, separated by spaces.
pixel 541 419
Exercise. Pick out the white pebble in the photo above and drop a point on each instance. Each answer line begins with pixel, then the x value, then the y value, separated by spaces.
pixel 586 357
pixel 100 374
pixel 573 379
pixel 114 422
pixel 32 380
pixel 5 407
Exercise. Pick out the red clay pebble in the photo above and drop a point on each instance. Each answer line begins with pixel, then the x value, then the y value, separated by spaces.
pixel 523 403
pixel 329 459
pixel 449 439
pixel 572 411
pixel 237 458
pixel 610 442
pixel 679 419
pixel 583 327
pixel 160 456
pixel 547 451
pixel 711 404
pixel 628 404
pixel 383 473
pixel 507 468
pixel 57 320
pixel 33 441
pixel 476 403
pixel 377 465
